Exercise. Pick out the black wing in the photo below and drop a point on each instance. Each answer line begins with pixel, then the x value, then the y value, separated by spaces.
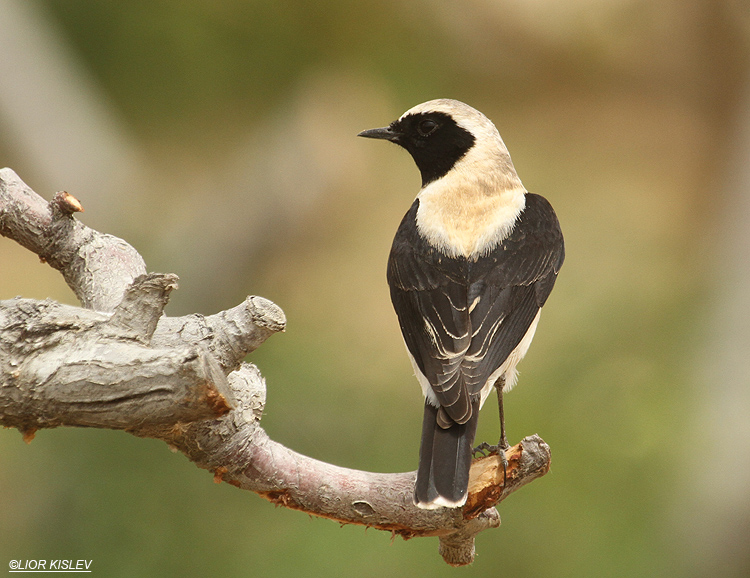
pixel 461 319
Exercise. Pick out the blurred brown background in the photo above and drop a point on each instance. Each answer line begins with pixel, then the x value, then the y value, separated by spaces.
pixel 218 137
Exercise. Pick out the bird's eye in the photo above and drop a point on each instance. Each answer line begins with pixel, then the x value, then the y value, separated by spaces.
pixel 427 127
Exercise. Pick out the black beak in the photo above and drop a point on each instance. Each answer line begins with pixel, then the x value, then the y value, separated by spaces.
pixel 385 133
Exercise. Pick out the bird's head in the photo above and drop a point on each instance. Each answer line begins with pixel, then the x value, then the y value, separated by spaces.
pixel 440 133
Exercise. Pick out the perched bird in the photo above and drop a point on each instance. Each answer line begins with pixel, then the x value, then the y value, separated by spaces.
pixel 471 265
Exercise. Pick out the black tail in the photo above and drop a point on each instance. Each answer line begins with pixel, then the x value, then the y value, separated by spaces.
pixel 444 461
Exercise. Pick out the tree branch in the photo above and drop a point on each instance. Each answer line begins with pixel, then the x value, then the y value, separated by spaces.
pixel 96 266
pixel 238 451
pixel 119 363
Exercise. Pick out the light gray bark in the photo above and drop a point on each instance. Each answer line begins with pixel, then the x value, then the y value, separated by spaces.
pixel 119 363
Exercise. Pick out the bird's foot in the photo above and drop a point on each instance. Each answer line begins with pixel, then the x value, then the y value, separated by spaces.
pixel 503 459
pixel 485 449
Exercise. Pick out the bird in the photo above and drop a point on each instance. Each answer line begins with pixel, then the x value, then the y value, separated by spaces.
pixel 471 265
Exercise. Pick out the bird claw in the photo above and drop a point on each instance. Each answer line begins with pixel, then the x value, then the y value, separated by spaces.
pixel 503 445
pixel 498 450
pixel 504 461
pixel 484 447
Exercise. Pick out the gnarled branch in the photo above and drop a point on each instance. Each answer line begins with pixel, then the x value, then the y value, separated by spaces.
pixel 119 363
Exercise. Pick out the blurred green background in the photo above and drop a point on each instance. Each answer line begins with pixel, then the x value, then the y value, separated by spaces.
pixel 218 137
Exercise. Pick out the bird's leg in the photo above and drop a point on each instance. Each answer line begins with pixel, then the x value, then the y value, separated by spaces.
pixel 499 385
pixel 503 444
